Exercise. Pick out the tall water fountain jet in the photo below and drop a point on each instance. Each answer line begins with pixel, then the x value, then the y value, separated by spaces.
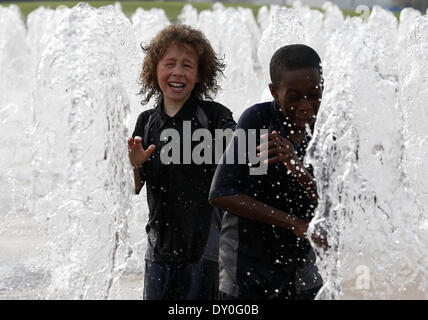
pixel 189 15
pixel 413 96
pixel 15 108
pixel 147 23
pixel 234 35
pixel 413 90
pixel 15 154
pixel 14 57
pixel 368 205
pixel 285 28
pixel 81 176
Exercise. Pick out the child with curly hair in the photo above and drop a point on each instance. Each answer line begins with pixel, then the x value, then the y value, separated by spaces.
pixel 180 69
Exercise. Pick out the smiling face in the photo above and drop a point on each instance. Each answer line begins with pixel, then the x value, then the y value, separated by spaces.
pixel 177 74
pixel 299 97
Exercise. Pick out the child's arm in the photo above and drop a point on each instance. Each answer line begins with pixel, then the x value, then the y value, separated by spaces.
pixel 137 180
pixel 228 188
pixel 247 207
pixel 284 152
pixel 250 208
pixel 227 192
pixel 137 156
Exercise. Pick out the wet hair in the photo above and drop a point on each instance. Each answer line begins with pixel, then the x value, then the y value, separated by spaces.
pixel 209 66
pixel 290 58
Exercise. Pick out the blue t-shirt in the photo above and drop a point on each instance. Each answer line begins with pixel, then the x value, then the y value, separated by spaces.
pixel 259 260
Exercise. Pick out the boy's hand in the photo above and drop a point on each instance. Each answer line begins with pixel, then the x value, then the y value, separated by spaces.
pixel 282 149
pixel 319 237
pixel 284 152
pixel 137 155
pixel 300 229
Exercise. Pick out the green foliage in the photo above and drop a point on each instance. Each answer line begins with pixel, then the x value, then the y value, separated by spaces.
pixel 172 8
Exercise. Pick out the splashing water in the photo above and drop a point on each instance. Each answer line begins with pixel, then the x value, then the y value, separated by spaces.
pixel 70 227
pixel 376 224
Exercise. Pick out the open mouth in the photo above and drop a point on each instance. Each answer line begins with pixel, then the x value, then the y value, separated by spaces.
pixel 176 85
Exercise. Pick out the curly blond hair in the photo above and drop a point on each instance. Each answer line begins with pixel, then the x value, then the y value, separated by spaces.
pixel 209 66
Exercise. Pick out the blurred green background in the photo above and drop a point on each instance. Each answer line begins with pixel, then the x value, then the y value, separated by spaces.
pixel 172 8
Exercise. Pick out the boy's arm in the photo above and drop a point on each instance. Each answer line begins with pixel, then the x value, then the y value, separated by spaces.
pixel 304 178
pixel 228 187
pixel 250 208
pixel 137 181
pixel 228 192
pixel 137 154
pixel 283 151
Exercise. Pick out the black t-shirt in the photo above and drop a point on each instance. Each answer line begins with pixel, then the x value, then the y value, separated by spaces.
pixel 259 260
pixel 177 194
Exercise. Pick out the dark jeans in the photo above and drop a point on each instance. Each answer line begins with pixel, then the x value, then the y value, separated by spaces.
pixel 181 281
pixel 304 295
pixel 309 294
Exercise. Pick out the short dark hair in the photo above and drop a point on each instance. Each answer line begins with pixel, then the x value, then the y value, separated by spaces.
pixel 293 57
pixel 210 68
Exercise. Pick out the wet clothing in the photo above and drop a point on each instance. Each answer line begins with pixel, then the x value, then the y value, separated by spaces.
pixel 183 228
pixel 177 194
pixel 308 294
pixel 181 281
pixel 258 260
pixel 307 277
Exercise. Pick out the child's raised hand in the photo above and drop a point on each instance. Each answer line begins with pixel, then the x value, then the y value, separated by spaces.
pixel 280 147
pixel 137 155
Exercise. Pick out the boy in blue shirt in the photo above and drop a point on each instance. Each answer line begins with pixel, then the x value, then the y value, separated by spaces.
pixel 263 237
